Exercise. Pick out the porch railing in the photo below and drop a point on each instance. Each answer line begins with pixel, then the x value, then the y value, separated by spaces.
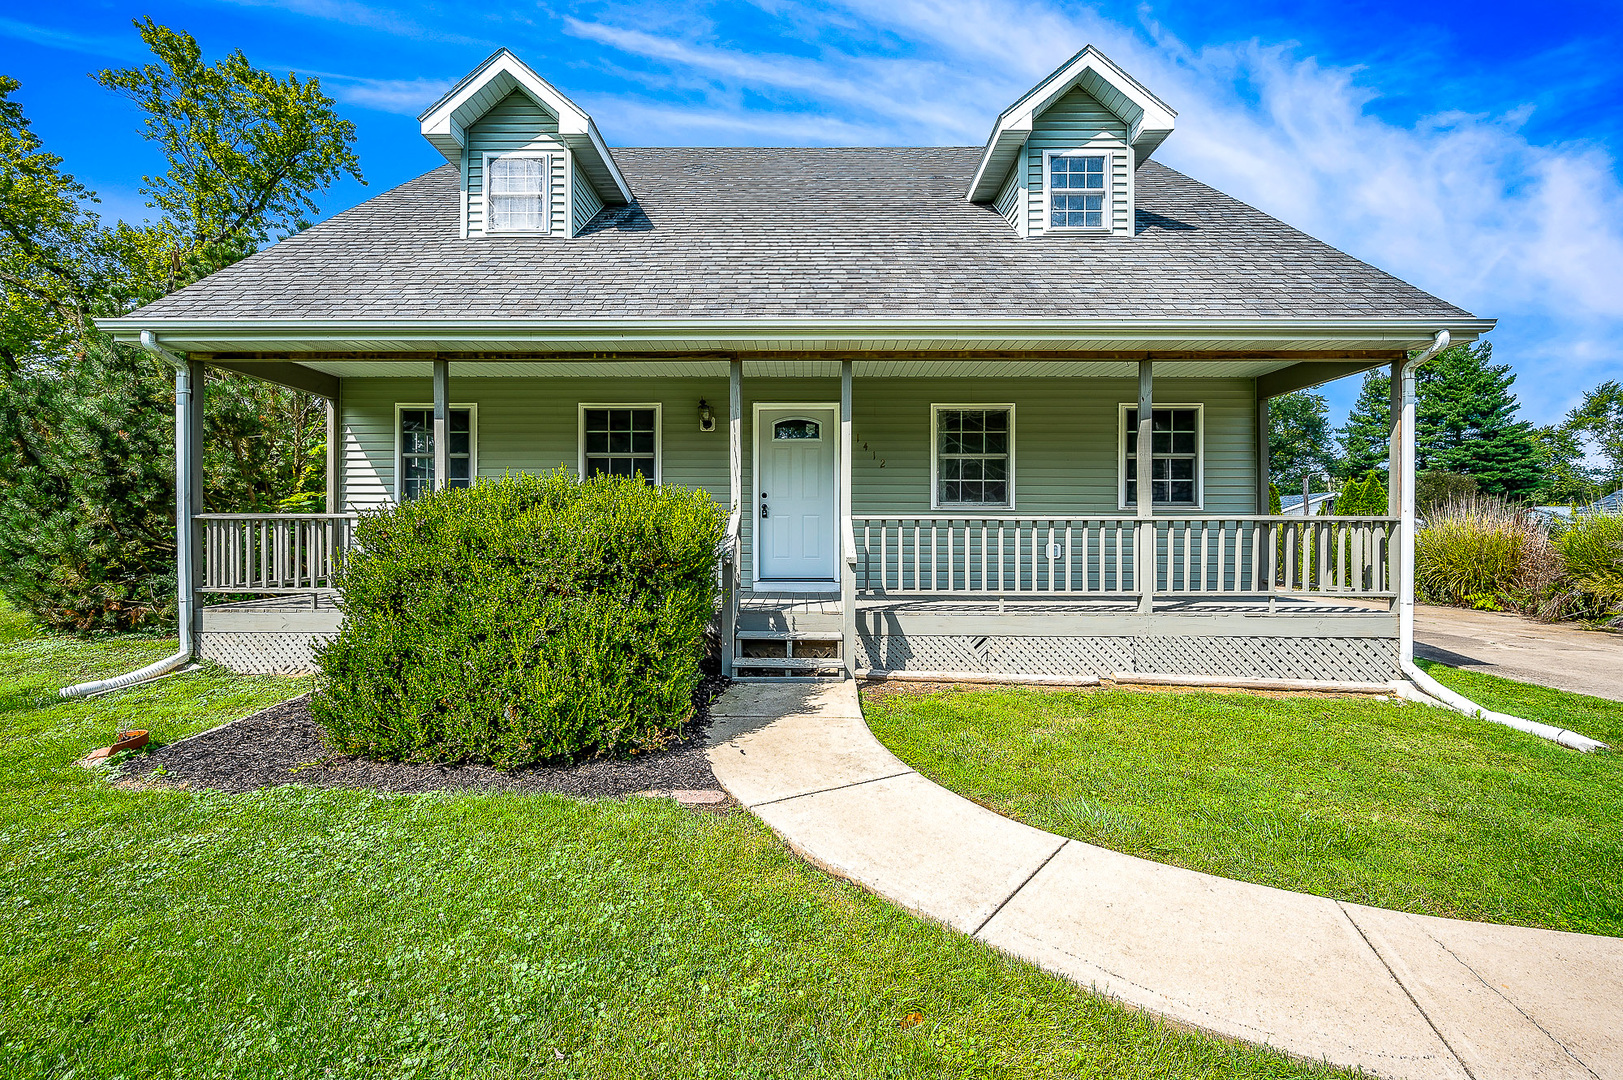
pixel 1006 555
pixel 273 553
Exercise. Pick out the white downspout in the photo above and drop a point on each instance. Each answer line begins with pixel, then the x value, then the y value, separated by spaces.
pixel 1406 582
pixel 185 440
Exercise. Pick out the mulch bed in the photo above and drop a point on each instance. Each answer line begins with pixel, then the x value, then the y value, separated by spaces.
pixel 282 745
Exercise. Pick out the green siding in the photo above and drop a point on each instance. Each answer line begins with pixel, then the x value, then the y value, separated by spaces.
pixel 517 123
pixel 1066 434
pixel 1077 121
pixel 584 203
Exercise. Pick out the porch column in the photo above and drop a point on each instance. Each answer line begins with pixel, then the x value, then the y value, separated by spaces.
pixel 735 437
pixel 1144 564
pixel 1265 465
pixel 442 422
pixel 189 466
pixel 735 516
pixel 335 452
pixel 848 551
pixel 1394 459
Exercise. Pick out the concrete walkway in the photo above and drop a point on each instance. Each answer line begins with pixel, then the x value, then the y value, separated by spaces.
pixel 1399 995
pixel 1562 655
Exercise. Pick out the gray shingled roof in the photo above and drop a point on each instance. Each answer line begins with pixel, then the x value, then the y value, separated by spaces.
pixel 801 232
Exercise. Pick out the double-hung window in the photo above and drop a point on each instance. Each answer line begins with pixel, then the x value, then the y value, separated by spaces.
pixel 620 440
pixel 1076 191
pixel 415 435
pixel 973 456
pixel 518 192
pixel 1175 449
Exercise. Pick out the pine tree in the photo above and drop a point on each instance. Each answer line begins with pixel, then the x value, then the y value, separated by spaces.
pixel 1466 422
pixel 1365 438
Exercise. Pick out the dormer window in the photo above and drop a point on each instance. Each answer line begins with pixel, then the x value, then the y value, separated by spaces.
pixel 1076 191
pixel 520 195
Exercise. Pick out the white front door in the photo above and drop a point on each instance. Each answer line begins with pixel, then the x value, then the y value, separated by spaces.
pixel 795 473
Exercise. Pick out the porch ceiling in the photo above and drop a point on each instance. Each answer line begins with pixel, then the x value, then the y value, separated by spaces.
pixel 793 368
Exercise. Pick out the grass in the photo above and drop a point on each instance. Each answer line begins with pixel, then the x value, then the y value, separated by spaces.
pixel 1391 804
pixel 305 933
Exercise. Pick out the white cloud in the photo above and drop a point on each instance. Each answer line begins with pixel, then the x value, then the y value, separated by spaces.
pixel 407 97
pixel 1461 203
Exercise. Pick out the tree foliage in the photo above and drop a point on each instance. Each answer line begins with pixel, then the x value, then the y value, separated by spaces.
pixel 1466 422
pixel 1594 424
pixel 1365 439
pixel 86 437
pixel 1299 438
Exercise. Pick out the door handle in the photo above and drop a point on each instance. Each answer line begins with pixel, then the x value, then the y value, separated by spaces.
pixel 764 512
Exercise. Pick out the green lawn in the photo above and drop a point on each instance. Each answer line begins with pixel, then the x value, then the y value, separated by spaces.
pixel 1392 804
pixel 303 933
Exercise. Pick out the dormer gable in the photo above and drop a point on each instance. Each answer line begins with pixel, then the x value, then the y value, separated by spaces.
pixel 532 161
pixel 1062 158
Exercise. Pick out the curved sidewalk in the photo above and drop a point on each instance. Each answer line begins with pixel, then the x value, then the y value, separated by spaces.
pixel 1399 995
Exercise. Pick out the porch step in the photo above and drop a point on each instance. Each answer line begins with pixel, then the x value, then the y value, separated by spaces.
pixel 791 663
pixel 790 635
pixel 794 622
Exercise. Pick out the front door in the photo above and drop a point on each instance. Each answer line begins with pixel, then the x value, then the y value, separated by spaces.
pixel 795 473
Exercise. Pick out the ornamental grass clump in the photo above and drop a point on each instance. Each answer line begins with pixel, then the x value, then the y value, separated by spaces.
pixel 1482 552
pixel 522 620
pixel 1592 547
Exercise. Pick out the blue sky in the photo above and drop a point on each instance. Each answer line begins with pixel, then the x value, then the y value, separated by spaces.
pixel 1471 148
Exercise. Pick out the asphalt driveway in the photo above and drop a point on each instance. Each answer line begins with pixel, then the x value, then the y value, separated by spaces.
pixel 1561 655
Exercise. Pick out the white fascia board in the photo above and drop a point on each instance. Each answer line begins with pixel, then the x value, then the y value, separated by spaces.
pixel 1149 119
pixel 445 123
pixel 609 335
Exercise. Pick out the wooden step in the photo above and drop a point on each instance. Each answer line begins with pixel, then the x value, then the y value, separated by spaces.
pixel 791 635
pixel 794 663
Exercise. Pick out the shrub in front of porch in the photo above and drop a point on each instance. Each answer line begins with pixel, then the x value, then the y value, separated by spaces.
pixel 522 620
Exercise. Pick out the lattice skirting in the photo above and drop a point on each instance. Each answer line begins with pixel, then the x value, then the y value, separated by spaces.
pixel 1341 659
pixel 253 652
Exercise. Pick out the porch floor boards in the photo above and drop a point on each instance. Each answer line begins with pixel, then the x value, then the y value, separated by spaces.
pixel 820 604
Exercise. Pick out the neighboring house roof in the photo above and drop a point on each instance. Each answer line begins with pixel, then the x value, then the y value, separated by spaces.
pixel 829 233
pixel 1292 504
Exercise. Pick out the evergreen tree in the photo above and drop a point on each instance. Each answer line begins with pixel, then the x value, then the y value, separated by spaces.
pixel 1365 438
pixel 1466 422
pixel 1299 438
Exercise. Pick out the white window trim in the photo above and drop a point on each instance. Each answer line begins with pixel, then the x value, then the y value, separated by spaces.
pixel 400 451
pixel 488 219
pixel 1200 455
pixel 935 450
pixel 659 434
pixel 1107 212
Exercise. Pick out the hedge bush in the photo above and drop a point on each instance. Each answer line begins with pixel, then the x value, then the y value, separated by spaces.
pixel 522 620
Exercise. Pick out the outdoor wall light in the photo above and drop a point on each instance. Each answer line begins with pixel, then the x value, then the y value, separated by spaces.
pixel 707 419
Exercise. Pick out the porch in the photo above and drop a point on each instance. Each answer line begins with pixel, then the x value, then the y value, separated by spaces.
pixel 1270 597
pixel 871 526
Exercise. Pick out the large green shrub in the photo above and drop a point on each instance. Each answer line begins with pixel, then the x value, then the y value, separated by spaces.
pixel 521 620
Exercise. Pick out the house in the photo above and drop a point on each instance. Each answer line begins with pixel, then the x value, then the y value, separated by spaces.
pixel 914 375
pixel 1316 503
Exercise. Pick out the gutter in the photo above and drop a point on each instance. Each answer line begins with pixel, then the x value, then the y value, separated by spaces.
pixel 185 437
pixel 1406 586
pixel 782 332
